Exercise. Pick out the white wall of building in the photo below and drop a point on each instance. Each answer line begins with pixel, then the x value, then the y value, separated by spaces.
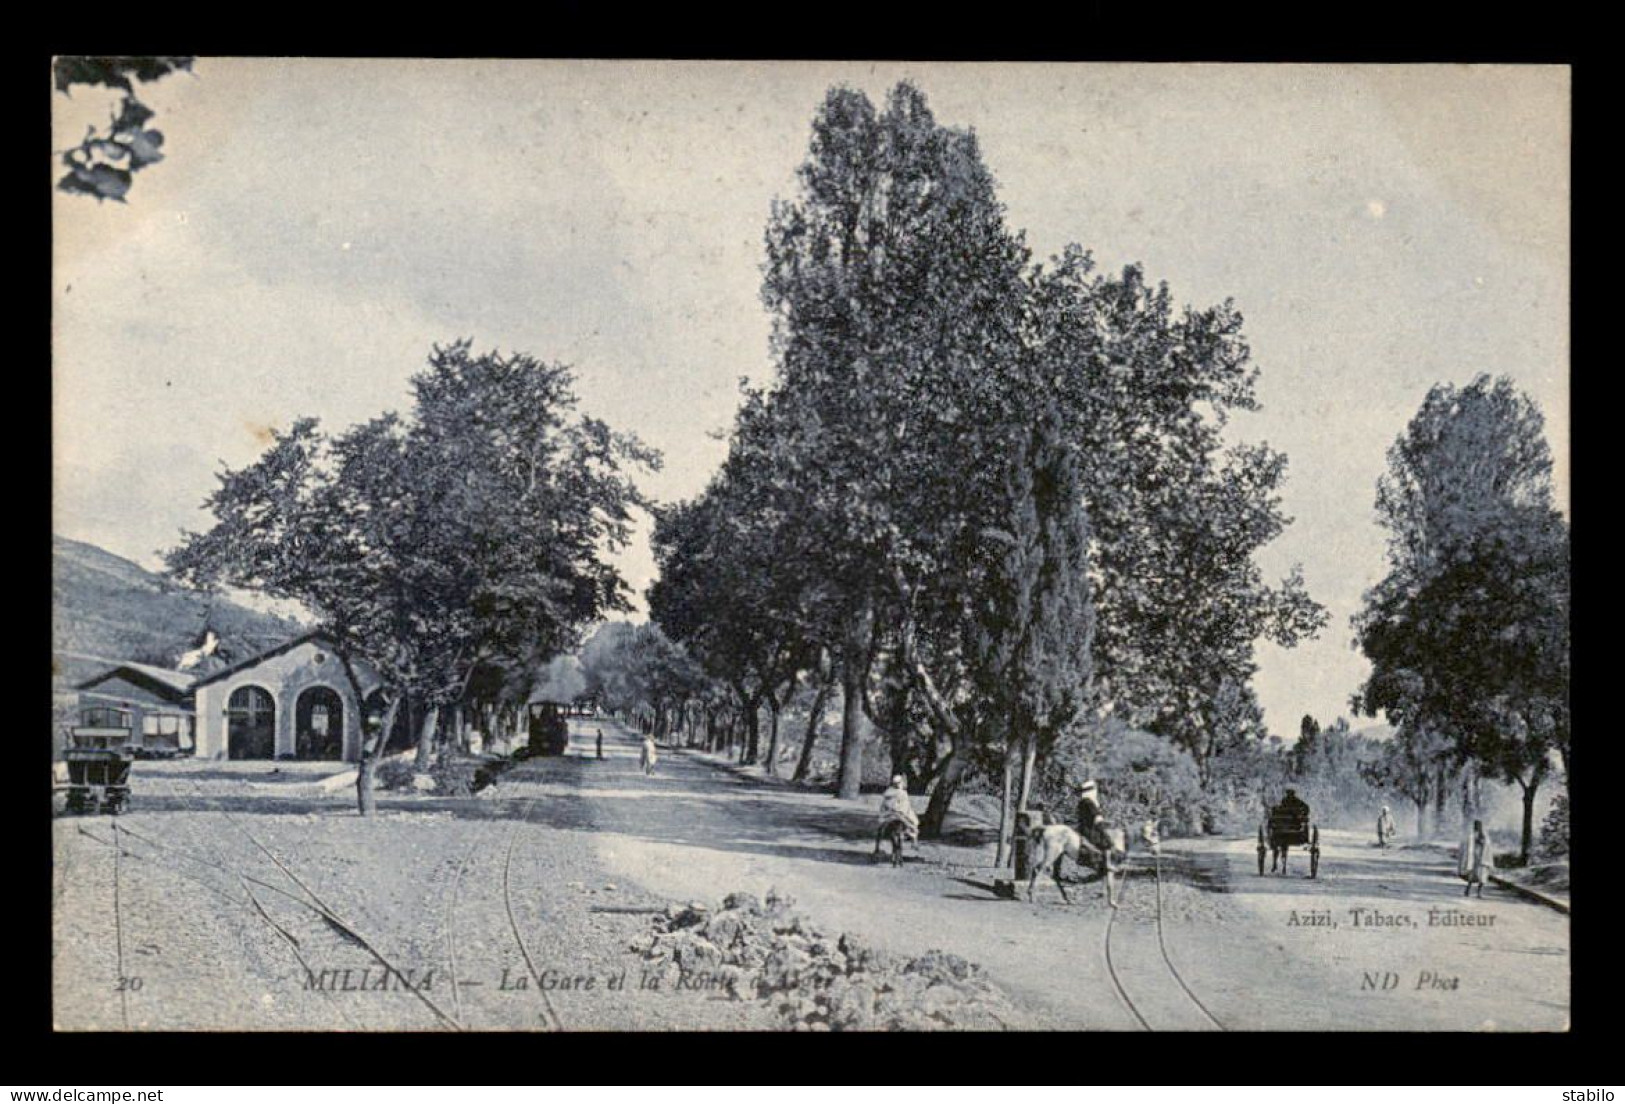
pixel 285 677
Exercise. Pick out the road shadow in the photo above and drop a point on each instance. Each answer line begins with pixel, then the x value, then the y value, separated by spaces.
pixel 1419 877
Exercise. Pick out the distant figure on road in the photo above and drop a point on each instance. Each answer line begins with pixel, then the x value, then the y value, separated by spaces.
pixel 1478 860
pixel 600 743
pixel 895 808
pixel 1386 829
pixel 649 754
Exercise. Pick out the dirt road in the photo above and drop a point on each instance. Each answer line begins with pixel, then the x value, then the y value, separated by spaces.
pixel 209 908
pixel 700 827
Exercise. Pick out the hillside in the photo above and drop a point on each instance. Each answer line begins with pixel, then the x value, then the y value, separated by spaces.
pixel 105 607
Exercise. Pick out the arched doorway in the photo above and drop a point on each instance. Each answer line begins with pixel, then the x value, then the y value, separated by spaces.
pixel 319 724
pixel 251 724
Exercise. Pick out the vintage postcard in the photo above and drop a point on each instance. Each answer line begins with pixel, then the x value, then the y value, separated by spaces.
pixel 648 546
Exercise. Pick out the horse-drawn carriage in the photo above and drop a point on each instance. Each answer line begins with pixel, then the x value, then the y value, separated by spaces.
pixel 98 754
pixel 1287 825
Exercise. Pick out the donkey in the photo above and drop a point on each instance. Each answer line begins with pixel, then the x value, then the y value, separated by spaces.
pixel 1051 844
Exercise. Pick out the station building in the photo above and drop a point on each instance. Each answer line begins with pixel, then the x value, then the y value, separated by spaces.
pixel 135 705
pixel 291 702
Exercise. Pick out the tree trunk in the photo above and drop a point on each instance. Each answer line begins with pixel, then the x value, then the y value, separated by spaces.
pixel 936 810
pixel 773 737
pixel 1526 846
pixel 753 731
pixel 426 736
pixel 804 763
pixel 1007 816
pixel 849 783
pixel 1469 813
pixel 1440 796
pixel 366 800
pixel 1029 761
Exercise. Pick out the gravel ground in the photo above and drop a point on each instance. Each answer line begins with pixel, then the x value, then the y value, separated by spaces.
pixel 428 883
pixel 520 907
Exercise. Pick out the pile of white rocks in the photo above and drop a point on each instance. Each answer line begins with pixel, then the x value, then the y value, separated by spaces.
pixel 766 950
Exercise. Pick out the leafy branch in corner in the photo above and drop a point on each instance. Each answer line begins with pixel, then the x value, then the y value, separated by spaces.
pixel 103 164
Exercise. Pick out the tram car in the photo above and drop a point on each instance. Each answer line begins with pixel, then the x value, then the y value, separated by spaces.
pixel 99 753
pixel 1286 825
pixel 549 731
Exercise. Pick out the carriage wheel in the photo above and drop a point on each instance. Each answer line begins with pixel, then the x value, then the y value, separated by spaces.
pixel 1261 850
pixel 1314 852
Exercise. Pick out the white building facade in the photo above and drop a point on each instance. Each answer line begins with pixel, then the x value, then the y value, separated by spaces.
pixel 292 702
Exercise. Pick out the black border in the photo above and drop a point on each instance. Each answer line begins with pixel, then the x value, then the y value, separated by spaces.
pixel 1091 31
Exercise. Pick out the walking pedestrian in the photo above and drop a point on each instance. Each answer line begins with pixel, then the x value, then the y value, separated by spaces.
pixel 1478 860
pixel 600 743
pixel 1386 828
pixel 649 754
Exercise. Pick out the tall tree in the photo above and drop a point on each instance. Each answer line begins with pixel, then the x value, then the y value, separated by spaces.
pixel 1035 624
pixel 469 533
pixel 895 291
pixel 1469 631
pixel 1177 514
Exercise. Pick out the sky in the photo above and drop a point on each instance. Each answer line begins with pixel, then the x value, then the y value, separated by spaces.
pixel 317 225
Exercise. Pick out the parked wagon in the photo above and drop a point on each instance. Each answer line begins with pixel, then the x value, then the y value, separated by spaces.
pixel 1285 826
pixel 99 752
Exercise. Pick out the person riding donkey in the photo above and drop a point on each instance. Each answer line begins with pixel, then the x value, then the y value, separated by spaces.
pixel 1092 825
pixel 895 808
pixel 1106 845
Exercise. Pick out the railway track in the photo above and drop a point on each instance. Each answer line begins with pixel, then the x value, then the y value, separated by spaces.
pixel 552 1014
pixel 1140 1009
pixel 123 983
pixel 269 890
pixel 211 872
pixel 303 920
pixel 344 929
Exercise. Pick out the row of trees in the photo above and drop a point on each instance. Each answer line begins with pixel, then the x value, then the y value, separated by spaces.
pixel 986 500
pixel 1468 632
pixel 456 549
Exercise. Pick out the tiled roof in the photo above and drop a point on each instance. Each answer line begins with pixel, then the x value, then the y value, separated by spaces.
pixel 254 661
pixel 180 682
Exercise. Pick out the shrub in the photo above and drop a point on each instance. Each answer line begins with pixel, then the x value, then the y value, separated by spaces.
pixel 454 776
pixel 395 774
pixel 1141 776
pixel 1554 831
